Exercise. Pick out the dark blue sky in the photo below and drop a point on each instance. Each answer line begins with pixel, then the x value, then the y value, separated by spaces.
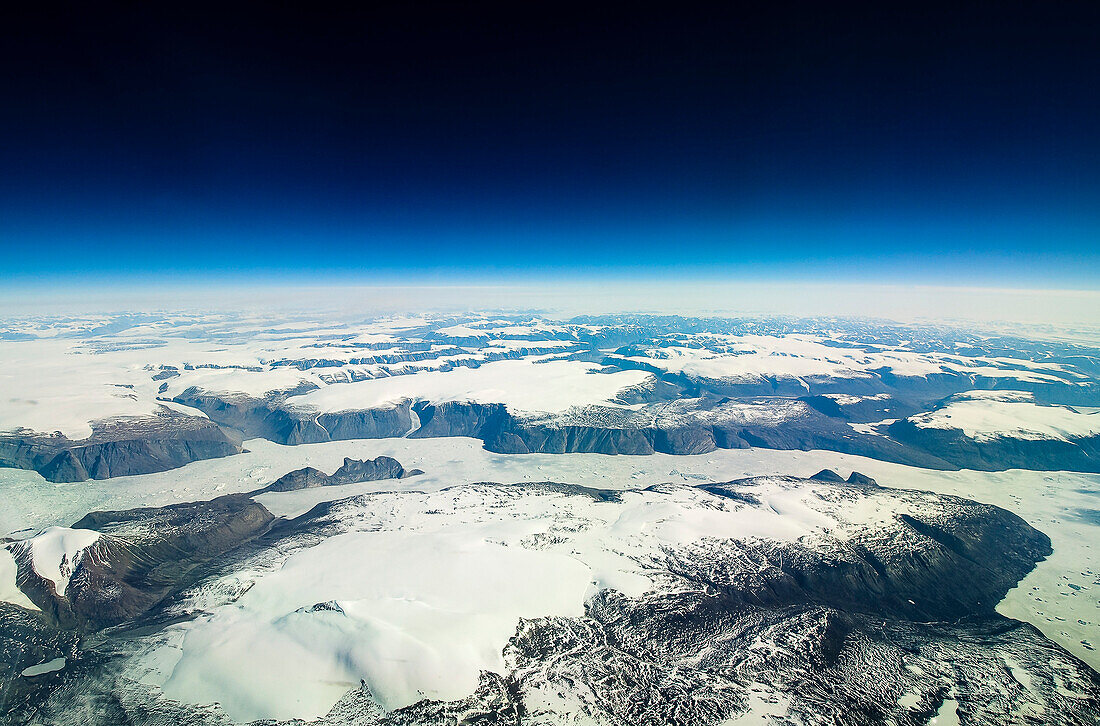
pixel 437 143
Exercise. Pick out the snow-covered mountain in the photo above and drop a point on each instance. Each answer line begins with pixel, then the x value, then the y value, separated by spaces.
pixel 548 603
pixel 221 519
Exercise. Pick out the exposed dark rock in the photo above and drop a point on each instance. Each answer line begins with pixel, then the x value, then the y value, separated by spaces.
pixel 866 409
pixel 825 405
pixel 856 478
pixel 351 472
pixel 119 447
pixel 329 606
pixel 663 425
pixel 658 661
pixel 694 426
pixel 379 423
pixel 146 554
pixel 458 419
pixel 1001 452
pixel 884 624
pixel 26 638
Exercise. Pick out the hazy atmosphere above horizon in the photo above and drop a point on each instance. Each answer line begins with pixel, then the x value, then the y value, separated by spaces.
pixel 450 144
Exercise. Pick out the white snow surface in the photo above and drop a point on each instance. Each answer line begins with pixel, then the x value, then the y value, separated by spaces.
pixel 422 615
pixel 9 590
pixel 36 503
pixel 523 385
pixel 753 357
pixel 63 383
pixel 986 415
pixel 68 377
pixel 47 385
pixel 1057 503
pixel 75 372
pixel 56 551
pixel 430 586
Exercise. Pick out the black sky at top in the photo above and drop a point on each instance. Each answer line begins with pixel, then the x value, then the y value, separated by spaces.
pixel 541 105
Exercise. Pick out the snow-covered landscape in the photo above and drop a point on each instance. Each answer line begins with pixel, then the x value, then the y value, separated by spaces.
pixel 554 469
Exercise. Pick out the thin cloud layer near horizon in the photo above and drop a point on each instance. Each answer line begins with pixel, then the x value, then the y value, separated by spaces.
pixel 1040 312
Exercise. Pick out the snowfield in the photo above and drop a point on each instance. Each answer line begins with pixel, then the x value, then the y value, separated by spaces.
pixel 64 375
pixel 986 415
pixel 415 614
pixel 9 591
pixel 426 589
pixel 54 385
pixel 522 385
pixel 751 357
pixel 55 554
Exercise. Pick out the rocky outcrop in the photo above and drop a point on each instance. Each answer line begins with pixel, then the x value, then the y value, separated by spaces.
pixel 695 426
pixel 996 453
pixel 270 419
pixel 458 419
pixel 884 373
pixel 146 554
pixel 119 447
pixel 661 425
pixel 375 423
pixel 898 626
pixel 697 659
pixel 352 471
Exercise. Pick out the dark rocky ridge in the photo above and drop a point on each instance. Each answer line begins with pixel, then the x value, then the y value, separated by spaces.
pixel 678 426
pixel 837 630
pixel 143 446
pixel 696 426
pixel 928 568
pixel 1002 452
pixel 270 419
pixel 656 661
pixel 683 426
pixel 119 447
pixel 351 472
pixel 145 554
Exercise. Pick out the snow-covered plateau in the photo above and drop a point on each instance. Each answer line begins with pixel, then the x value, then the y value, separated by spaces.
pixel 215 519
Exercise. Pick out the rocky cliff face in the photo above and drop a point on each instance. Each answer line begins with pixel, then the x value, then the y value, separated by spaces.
pixel 141 557
pixel 685 426
pixel 120 447
pixel 146 554
pixel 1001 452
pixel 656 424
pixel 695 426
pixel 679 426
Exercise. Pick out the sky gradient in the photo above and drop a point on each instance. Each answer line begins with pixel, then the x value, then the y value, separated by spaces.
pixel 447 144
